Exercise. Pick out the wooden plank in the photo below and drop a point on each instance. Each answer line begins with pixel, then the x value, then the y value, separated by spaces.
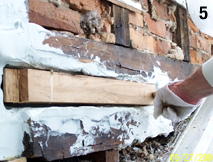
pixel 121 25
pixel 125 5
pixel 118 58
pixel 42 143
pixel 102 156
pixel 182 32
pixel 58 147
pixel 11 93
pixel 112 156
pixel 39 86
pixel 23 84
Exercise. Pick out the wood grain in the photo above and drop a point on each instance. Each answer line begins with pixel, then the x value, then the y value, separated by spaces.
pixel 112 156
pixel 39 86
pixel 11 85
pixel 120 59
pixel 121 25
pixel 181 35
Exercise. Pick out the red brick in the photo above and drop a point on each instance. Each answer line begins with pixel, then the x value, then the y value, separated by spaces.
pixel 161 10
pixel 155 27
pixel 192 26
pixel 102 7
pixel 106 26
pixel 85 5
pixel 48 15
pixel 149 43
pixel 197 57
pixel 162 47
pixel 108 37
pixel 141 41
pixel 193 40
pixel 199 42
pixel 136 38
pixel 169 35
pixel 209 38
pixel 136 19
pixel 194 57
pixel 203 44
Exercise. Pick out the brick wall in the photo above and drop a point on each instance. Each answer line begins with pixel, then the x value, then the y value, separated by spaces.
pixel 200 44
pixel 153 30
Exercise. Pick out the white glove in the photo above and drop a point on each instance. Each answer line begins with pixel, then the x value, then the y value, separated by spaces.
pixel 171 106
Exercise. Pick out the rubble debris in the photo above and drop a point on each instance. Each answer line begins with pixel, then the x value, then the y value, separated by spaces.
pixel 91 23
pixel 175 52
pixel 155 149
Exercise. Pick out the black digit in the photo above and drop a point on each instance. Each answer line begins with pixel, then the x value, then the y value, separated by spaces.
pixel 203 12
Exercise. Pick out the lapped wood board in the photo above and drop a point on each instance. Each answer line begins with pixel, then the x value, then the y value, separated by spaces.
pixel 40 86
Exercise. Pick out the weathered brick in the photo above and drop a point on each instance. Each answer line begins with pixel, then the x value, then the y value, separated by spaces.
pixel 203 44
pixel 85 5
pixel 149 43
pixel 193 40
pixel 198 41
pixel 210 38
pixel 48 15
pixel 102 7
pixel 197 57
pixel 108 37
pixel 161 10
pixel 136 38
pixel 136 19
pixel 162 47
pixel 145 5
pixel 155 27
pixel 192 26
pixel 106 26
pixel 141 41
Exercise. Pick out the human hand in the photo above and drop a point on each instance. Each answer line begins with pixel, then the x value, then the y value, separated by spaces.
pixel 171 106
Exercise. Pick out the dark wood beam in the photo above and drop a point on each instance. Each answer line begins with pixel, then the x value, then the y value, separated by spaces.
pixel 53 147
pixel 181 36
pixel 120 59
pixel 121 25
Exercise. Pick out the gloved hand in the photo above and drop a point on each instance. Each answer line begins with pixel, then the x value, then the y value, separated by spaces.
pixel 171 106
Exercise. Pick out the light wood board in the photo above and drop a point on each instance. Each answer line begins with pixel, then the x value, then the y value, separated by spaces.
pixel 40 86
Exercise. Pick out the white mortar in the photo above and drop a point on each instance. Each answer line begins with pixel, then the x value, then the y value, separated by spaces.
pixel 20 44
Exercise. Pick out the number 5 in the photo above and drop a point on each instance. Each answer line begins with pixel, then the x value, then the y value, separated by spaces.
pixel 203 12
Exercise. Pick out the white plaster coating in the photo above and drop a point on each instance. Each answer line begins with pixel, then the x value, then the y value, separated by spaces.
pixel 135 4
pixel 68 120
pixel 21 44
